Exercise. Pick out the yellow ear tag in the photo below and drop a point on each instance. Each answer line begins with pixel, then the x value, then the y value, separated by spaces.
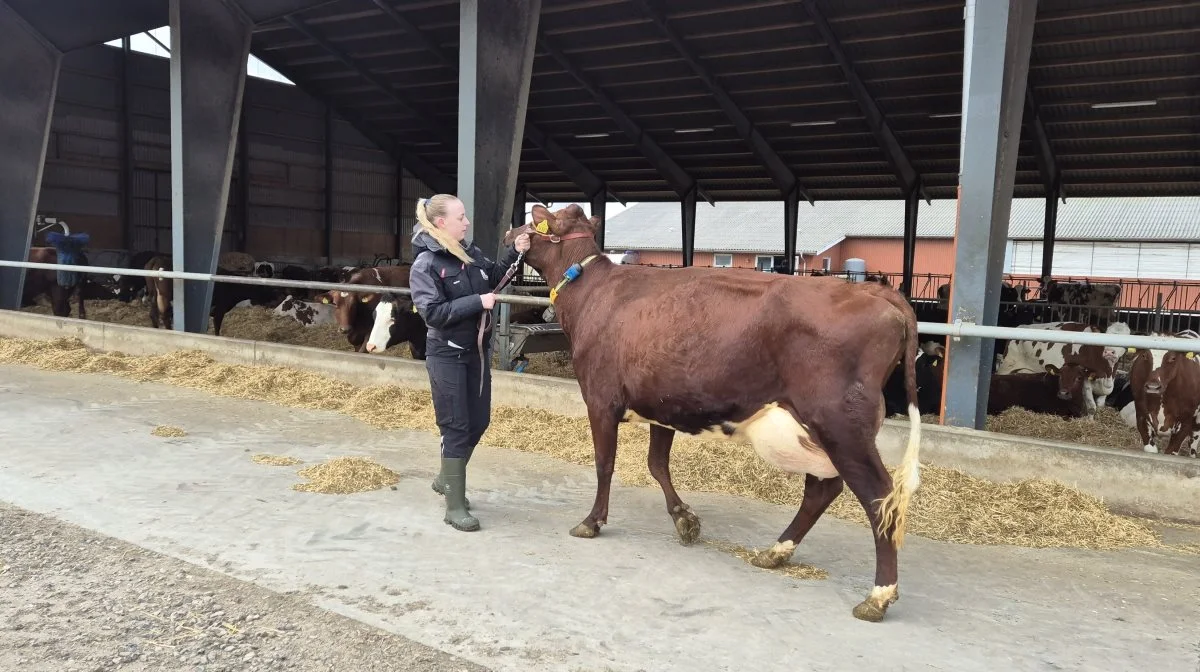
pixel 542 227
pixel 365 299
pixel 1131 350
pixel 324 299
pixel 1190 355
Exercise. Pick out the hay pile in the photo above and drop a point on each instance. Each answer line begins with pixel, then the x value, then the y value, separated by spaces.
pixel 1106 430
pixel 275 460
pixel 168 431
pixel 950 505
pixel 346 475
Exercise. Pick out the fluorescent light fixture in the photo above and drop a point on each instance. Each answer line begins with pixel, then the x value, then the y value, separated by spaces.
pixel 591 135
pixel 813 123
pixel 693 130
pixel 1130 103
pixel 946 115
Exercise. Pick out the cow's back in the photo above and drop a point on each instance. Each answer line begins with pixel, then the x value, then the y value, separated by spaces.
pixel 694 331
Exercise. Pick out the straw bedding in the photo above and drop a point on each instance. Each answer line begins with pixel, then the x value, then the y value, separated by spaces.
pixel 949 506
pixel 262 324
pixel 168 431
pixel 345 475
pixel 275 460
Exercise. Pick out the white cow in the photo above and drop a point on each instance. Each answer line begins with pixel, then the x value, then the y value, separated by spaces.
pixel 308 313
pixel 1034 356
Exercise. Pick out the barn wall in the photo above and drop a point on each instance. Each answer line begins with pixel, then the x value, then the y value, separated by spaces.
pixel 932 256
pixel 285 131
pixel 1157 261
pixel 669 258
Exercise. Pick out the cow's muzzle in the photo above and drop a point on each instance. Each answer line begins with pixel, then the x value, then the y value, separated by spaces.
pixel 343 330
pixel 1153 388
pixel 1064 395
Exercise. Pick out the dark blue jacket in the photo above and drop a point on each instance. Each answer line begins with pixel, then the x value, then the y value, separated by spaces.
pixel 446 292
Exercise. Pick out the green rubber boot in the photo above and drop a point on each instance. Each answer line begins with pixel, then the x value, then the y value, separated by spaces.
pixel 454 484
pixel 439 486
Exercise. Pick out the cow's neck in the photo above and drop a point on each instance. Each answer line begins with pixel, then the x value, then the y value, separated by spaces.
pixel 574 294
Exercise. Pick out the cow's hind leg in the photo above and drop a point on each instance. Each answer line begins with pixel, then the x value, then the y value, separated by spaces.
pixel 819 493
pixel 687 525
pixel 604 439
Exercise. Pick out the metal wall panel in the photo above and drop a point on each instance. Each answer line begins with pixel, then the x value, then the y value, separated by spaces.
pixel 285 136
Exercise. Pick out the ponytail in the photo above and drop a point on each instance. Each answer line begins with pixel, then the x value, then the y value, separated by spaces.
pixel 430 209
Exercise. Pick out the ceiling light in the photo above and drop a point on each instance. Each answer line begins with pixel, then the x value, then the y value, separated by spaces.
pixel 693 130
pixel 946 115
pixel 1131 103
pixel 591 135
pixel 813 123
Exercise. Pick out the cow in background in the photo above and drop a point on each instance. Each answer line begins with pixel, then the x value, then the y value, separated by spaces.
pixel 39 281
pixel 1061 392
pixel 1099 361
pixel 396 321
pixel 355 311
pixel 1166 397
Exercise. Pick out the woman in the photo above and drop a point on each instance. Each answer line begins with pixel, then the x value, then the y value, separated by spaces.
pixel 451 286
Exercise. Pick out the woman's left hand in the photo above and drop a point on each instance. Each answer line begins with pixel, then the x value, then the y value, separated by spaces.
pixel 522 243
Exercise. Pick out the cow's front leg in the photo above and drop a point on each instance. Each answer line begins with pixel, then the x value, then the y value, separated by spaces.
pixel 604 440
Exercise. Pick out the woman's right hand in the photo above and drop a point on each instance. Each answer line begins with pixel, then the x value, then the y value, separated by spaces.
pixel 489 300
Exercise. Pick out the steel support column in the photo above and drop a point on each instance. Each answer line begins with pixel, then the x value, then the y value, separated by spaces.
pixel 328 195
pixel 599 204
pixel 29 67
pixel 210 42
pixel 126 208
pixel 400 232
pixel 518 211
pixel 1049 234
pixel 243 143
pixel 791 220
pixel 496 46
pixel 912 201
pixel 689 225
pixel 997 45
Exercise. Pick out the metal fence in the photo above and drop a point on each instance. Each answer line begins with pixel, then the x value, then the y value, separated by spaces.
pixel 955 330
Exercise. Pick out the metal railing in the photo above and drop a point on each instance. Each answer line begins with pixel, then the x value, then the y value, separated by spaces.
pixel 956 330
pixel 251 280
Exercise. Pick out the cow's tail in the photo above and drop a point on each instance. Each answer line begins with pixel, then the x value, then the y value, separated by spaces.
pixel 894 507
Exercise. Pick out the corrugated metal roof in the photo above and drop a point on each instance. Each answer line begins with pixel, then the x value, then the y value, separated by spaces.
pixel 758 226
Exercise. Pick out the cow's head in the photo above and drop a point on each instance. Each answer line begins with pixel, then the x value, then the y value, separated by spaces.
pixel 390 310
pixel 558 239
pixel 1164 374
pixel 343 308
pixel 1070 379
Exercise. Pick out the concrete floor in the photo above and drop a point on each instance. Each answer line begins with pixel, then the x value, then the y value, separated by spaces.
pixel 524 595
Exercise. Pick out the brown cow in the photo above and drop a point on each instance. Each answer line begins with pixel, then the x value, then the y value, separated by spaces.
pixel 1147 382
pixel 40 281
pixel 1176 383
pixel 159 291
pixel 1056 391
pixel 736 354
pixel 354 312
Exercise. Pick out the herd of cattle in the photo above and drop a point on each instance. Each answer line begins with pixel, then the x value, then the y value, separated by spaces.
pixel 1159 397
pixel 372 320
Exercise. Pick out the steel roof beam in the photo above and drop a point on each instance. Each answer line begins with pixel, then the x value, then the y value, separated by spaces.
pixel 1047 165
pixel 418 166
pixel 585 179
pixel 676 177
pixel 442 133
pixel 776 166
pixel 909 178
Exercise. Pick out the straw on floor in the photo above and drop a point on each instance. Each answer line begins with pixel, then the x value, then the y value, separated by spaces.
pixel 950 505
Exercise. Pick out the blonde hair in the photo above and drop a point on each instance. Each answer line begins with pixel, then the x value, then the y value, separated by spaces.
pixel 428 210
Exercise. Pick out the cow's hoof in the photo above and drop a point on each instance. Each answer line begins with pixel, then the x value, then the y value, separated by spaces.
pixel 876 605
pixel 585 530
pixel 775 556
pixel 687 524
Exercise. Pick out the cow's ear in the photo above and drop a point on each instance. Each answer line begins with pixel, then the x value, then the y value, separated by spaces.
pixel 1052 369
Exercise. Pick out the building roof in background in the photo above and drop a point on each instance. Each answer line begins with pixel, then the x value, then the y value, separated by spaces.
pixel 758 226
